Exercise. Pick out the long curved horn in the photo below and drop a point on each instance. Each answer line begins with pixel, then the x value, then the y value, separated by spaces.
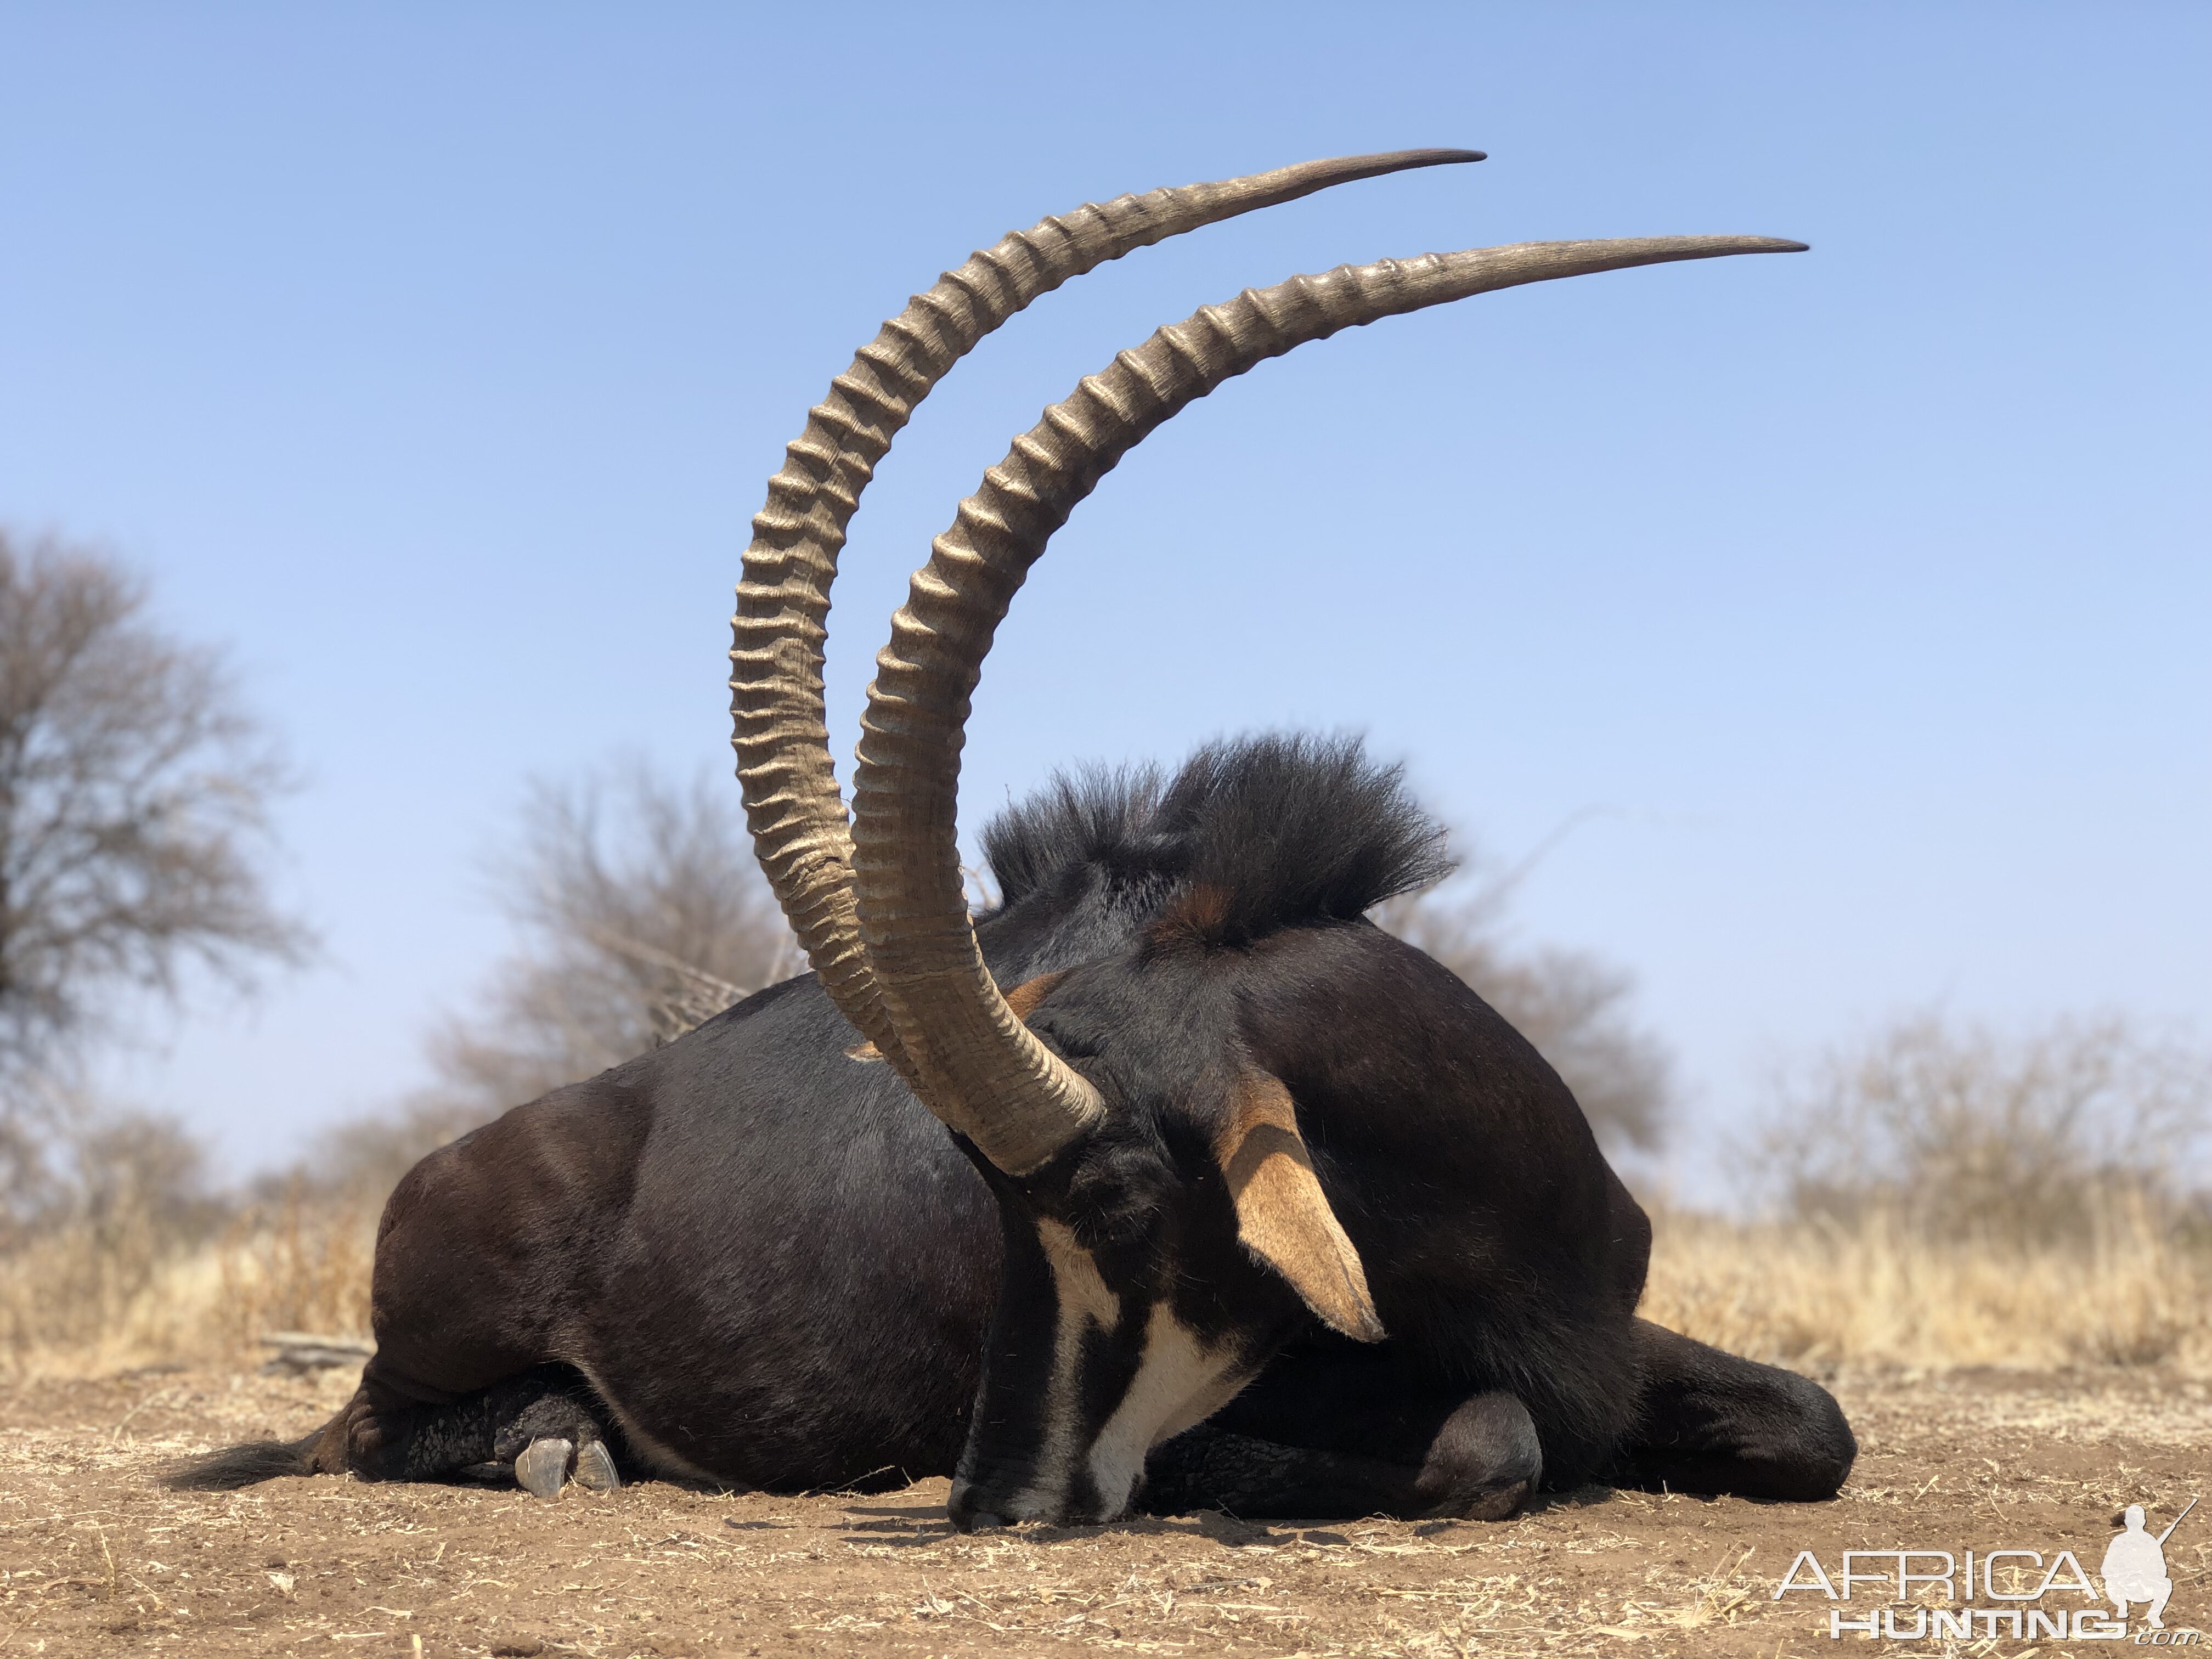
pixel 982 1070
pixel 792 803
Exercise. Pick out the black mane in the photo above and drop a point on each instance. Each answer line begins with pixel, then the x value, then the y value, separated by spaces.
pixel 1252 835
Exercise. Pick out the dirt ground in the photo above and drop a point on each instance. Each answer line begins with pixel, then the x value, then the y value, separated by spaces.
pixel 94 1559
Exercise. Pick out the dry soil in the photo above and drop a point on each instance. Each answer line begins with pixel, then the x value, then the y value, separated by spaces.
pixel 96 1559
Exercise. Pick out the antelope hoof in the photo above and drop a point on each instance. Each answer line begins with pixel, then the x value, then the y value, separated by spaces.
pixel 595 1469
pixel 543 1467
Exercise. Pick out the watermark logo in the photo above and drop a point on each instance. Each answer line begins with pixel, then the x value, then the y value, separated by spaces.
pixel 2135 1566
pixel 1980 1595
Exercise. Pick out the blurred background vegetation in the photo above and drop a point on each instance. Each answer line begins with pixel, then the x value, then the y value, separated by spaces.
pixel 1933 1192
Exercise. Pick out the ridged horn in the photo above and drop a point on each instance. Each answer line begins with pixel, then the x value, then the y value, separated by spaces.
pixel 792 803
pixel 982 1069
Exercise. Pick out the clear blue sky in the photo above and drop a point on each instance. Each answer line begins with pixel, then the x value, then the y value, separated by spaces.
pixel 435 357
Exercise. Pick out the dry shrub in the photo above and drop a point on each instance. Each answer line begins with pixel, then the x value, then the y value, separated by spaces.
pixel 89 1297
pixel 1944 1194
pixel 302 1267
pixel 84 1285
pixel 1956 1132
pixel 96 1222
pixel 1875 1290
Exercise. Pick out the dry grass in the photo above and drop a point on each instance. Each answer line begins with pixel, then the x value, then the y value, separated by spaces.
pixel 87 1301
pixel 1870 1293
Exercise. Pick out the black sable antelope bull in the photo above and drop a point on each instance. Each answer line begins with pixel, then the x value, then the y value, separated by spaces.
pixel 1246 1203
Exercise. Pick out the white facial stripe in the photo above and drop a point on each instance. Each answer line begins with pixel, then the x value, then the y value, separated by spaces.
pixel 1179 1383
pixel 1084 1301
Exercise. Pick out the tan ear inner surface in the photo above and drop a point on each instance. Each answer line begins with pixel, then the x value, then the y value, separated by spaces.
pixel 1282 1215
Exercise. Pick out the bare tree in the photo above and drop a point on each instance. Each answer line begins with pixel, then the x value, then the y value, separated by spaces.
pixel 135 791
pixel 1571 1005
pixel 1955 1131
pixel 147 1168
pixel 70 1160
pixel 640 912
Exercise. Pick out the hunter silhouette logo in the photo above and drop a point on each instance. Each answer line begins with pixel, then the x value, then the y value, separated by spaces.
pixel 1982 1595
pixel 2135 1566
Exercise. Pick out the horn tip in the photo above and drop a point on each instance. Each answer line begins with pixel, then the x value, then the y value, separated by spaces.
pixel 1342 169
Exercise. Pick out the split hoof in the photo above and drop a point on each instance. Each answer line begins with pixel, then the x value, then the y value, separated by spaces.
pixel 543 1467
pixel 595 1469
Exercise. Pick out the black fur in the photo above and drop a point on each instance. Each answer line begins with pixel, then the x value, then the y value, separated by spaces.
pixel 243 1466
pixel 1096 817
pixel 1276 830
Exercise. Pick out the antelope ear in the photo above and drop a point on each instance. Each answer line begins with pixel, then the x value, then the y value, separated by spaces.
pixel 1282 1216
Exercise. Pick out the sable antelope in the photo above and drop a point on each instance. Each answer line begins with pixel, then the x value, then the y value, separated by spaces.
pixel 1245 1202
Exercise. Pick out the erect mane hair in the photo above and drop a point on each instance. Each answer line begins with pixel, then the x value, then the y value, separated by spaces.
pixel 1253 834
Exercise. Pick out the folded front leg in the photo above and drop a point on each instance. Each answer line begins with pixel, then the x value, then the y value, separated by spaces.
pixel 1334 1434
